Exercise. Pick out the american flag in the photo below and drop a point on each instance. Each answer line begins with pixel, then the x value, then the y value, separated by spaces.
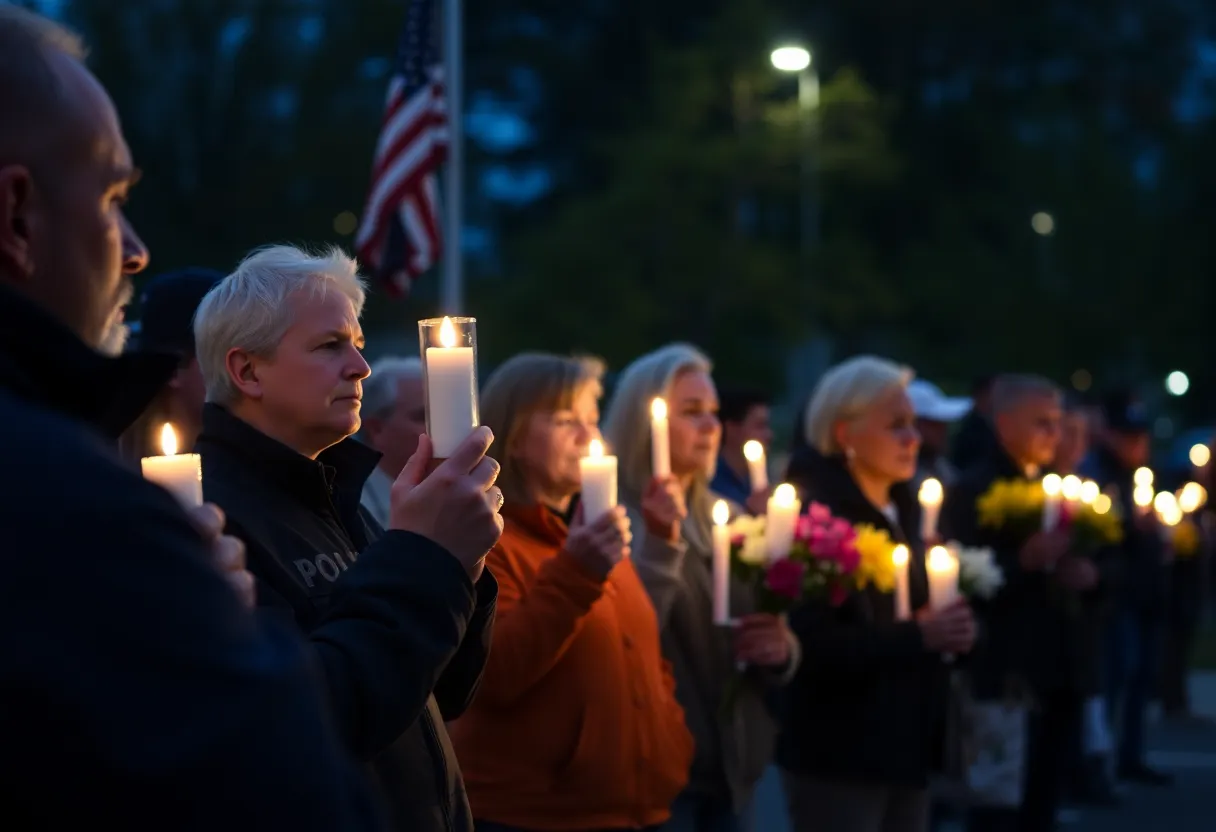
pixel 399 236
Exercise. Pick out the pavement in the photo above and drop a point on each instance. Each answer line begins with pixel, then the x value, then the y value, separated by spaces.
pixel 1185 749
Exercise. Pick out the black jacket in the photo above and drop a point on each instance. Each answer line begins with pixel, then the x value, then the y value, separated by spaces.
pixel 1034 633
pixel 134 689
pixel 392 616
pixel 868 702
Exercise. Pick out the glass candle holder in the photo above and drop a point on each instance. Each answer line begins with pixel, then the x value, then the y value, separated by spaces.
pixel 448 349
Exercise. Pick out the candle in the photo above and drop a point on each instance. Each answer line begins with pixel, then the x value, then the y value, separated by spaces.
pixel 1143 496
pixel 1143 476
pixel 660 440
pixel 597 473
pixel 1052 486
pixel 1090 492
pixel 721 516
pixel 449 365
pixel 943 578
pixel 1192 497
pixel 1070 489
pixel 757 465
pixel 781 520
pixel 181 474
pixel 903 604
pixel 930 497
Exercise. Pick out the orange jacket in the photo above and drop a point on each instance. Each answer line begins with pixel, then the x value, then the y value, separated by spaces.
pixel 576 724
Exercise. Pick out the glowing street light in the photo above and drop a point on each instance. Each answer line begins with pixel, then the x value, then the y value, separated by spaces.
pixel 1043 223
pixel 1177 383
pixel 790 58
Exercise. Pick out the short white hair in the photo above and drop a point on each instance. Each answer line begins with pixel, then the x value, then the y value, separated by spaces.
pixel 845 392
pixel 246 310
pixel 381 387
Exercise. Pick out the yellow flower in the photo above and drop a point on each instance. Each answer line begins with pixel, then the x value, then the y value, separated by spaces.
pixel 1186 539
pixel 1099 529
pixel 1010 501
pixel 874 565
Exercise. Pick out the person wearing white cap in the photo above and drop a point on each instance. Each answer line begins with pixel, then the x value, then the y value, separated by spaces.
pixel 935 412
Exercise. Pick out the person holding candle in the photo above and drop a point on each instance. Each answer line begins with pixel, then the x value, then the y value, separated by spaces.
pixel 134 687
pixel 576 725
pixel 864 716
pixel 744 414
pixel 673 554
pixel 1032 625
pixel 399 620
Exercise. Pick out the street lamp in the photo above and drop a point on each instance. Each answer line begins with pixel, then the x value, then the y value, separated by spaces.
pixel 797 59
pixel 790 58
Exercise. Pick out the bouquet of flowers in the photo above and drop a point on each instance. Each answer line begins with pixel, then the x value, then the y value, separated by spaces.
pixel 979 575
pixel 1091 530
pixel 1015 505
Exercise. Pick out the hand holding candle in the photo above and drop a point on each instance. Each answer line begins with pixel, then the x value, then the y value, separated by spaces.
pixel 781 521
pixel 660 440
pixel 1052 488
pixel 597 473
pixel 930 496
pixel 449 367
pixel 757 465
pixel 721 531
pixel 903 604
pixel 180 474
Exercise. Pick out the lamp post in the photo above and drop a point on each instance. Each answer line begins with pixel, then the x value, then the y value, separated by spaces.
pixel 798 60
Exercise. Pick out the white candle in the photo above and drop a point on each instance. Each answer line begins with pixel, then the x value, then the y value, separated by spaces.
pixel 903 602
pixel 1071 488
pixel 1143 496
pixel 181 474
pixel 451 389
pixel 1192 497
pixel 781 521
pixel 757 465
pixel 1052 486
pixel 942 568
pixel 597 473
pixel 1089 492
pixel 930 497
pixel 660 440
pixel 721 515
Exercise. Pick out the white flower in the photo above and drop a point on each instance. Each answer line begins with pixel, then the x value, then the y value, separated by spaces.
pixel 978 572
pixel 751 529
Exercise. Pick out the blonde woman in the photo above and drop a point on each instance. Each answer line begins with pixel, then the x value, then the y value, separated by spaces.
pixel 672 554
pixel 576 725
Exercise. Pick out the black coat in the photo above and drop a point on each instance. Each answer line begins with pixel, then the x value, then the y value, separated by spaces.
pixel 135 691
pixel 868 702
pixel 391 615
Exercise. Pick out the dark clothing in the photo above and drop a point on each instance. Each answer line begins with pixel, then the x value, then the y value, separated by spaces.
pixel 1182 627
pixel 974 442
pixel 391 615
pixel 1133 648
pixel 868 702
pixel 487 826
pixel 726 483
pixel 135 691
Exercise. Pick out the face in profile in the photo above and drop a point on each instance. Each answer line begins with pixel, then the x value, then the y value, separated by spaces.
pixel 1074 443
pixel 553 441
pixel 311 386
pixel 883 439
pixel 693 423
pixel 1031 429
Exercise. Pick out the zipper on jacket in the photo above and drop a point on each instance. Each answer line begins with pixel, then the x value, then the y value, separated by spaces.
pixel 441 768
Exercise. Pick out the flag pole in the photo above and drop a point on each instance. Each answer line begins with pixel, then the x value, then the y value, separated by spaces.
pixel 453 202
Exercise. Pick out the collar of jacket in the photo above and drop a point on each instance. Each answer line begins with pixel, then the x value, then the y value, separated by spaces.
pixel 336 476
pixel 833 485
pixel 42 361
pixel 537 521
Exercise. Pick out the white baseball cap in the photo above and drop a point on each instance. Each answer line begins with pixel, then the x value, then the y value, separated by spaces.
pixel 931 403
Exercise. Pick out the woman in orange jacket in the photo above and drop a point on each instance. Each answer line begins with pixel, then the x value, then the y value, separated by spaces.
pixel 576 726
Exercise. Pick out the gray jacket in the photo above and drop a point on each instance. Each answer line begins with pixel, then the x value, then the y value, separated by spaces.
pixel 734 745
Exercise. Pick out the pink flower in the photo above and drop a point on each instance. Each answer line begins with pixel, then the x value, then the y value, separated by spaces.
pixel 838 594
pixel 819 513
pixel 784 578
pixel 737 539
pixel 804 528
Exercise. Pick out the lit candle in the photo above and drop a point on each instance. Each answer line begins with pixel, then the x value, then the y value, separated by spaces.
pixel 757 465
pixel 660 440
pixel 1070 489
pixel 1143 496
pixel 781 520
pixel 449 362
pixel 597 473
pixel 1090 492
pixel 181 474
pixel 943 578
pixel 1052 486
pixel 903 605
pixel 721 516
pixel 1168 512
pixel 930 497
pixel 1192 497
pixel 1143 476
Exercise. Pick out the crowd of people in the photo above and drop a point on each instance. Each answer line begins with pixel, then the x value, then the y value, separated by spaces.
pixel 350 633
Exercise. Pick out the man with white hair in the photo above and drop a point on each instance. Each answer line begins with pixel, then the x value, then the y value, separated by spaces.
pixel 400 620
pixel 136 692
pixel 394 416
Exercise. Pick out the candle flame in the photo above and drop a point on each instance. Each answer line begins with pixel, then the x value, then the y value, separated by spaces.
pixel 1192 497
pixel 658 409
pixel 785 496
pixel 1052 485
pixel 721 513
pixel 1102 504
pixel 899 555
pixel 1070 487
pixel 1165 503
pixel 940 559
pixel 1200 455
pixel 168 440
pixel 447 333
pixel 753 451
pixel 1143 496
pixel 1089 492
pixel 930 492
pixel 1143 476
pixel 596 448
